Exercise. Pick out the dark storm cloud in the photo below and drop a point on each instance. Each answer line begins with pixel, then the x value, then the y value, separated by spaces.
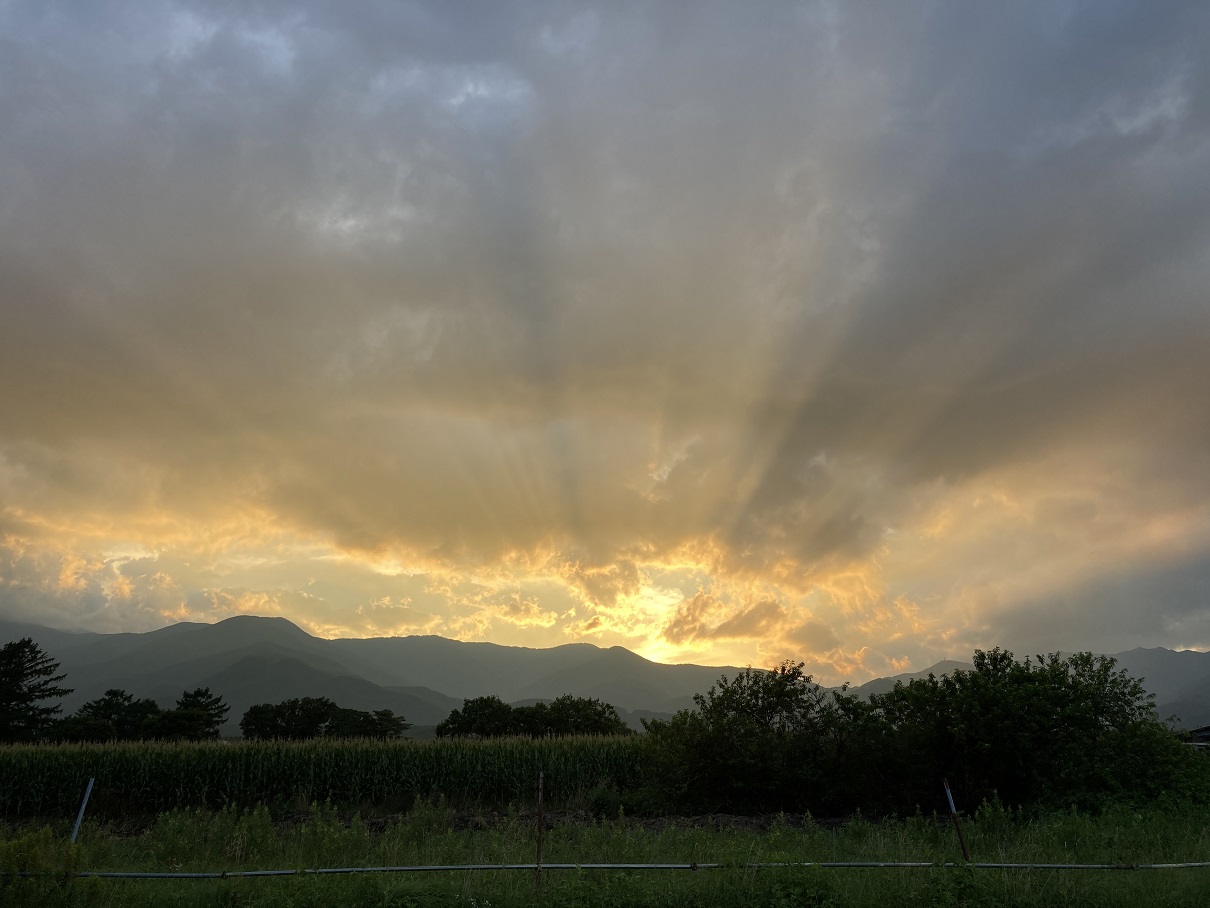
pixel 602 283
pixel 1119 610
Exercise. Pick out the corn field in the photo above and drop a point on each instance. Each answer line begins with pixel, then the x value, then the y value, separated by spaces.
pixel 151 777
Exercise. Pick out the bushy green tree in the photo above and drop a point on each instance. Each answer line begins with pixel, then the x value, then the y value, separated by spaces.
pixel 529 721
pixel 318 717
pixel 381 724
pixel 491 717
pixel 1051 731
pixel 1058 730
pixel 479 717
pixel 28 678
pixel 762 740
pixel 568 715
pixel 294 720
pixel 115 716
pixel 198 716
pixel 261 723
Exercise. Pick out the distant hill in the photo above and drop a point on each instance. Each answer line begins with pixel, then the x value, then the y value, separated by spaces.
pixel 882 685
pixel 250 659
pixel 258 679
pixel 247 660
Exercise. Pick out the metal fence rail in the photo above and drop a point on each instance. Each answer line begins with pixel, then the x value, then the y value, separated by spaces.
pixel 416 868
pixel 984 865
pixel 533 868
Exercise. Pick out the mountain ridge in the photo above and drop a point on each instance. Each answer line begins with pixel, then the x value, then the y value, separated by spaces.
pixel 245 659
pixel 425 676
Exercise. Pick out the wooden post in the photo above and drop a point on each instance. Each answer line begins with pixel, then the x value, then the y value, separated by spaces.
pixel 538 858
pixel 954 816
pixel 80 816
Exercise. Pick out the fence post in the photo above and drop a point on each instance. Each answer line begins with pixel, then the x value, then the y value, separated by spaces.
pixel 954 816
pixel 80 816
pixel 538 857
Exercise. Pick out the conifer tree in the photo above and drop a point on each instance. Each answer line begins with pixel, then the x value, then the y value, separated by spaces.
pixel 28 678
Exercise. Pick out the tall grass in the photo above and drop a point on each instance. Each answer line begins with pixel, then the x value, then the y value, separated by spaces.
pixel 142 777
pixel 233 839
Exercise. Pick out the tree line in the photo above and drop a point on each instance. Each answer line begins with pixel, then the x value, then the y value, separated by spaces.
pixel 29 678
pixel 491 717
pixel 1049 730
pixel 1044 731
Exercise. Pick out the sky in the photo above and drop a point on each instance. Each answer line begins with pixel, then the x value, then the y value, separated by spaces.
pixel 858 334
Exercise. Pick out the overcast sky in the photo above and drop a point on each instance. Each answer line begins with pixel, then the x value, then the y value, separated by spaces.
pixel 861 334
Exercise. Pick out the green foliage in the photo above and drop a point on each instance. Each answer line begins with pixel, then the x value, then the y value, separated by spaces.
pixel 116 716
pixel 760 741
pixel 480 717
pixel 318 717
pixel 296 719
pixel 27 679
pixel 1052 731
pixel 1034 734
pixel 354 723
pixel 568 715
pixel 491 717
pixel 205 712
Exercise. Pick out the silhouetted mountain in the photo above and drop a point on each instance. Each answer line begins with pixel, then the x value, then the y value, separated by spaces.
pixel 1166 673
pixel 463 669
pixel 882 685
pixel 164 683
pixel 257 679
pixel 245 659
pixel 250 660
pixel 616 675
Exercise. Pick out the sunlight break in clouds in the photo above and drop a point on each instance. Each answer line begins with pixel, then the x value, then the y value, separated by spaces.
pixel 862 335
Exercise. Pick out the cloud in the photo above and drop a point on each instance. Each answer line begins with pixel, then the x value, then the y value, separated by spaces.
pixel 884 328
pixel 813 637
pixel 689 623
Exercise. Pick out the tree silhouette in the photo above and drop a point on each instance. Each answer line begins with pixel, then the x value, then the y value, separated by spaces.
pixel 318 717
pixel 27 678
pixel 116 716
pixel 205 711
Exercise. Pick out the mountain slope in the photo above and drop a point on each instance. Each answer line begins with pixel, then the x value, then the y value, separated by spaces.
pixel 462 669
pixel 260 679
pixel 882 685
pixel 431 674
pixel 1167 673
pixel 616 675
pixel 424 677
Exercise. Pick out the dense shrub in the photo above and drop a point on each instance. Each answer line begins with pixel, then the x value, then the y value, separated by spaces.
pixel 1055 731
pixel 1047 732
pixel 759 741
pixel 491 717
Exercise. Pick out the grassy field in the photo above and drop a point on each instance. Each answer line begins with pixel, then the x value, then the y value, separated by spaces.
pixel 255 839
